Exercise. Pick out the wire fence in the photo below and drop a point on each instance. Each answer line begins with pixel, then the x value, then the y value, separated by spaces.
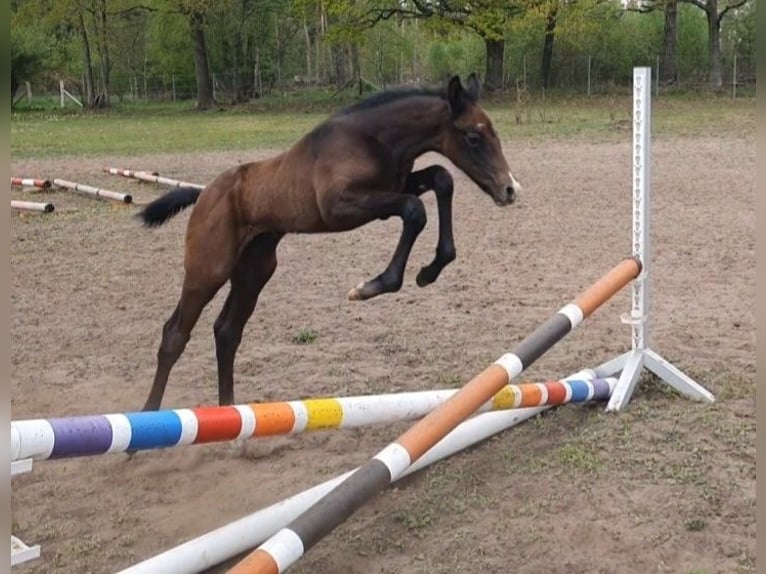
pixel 574 75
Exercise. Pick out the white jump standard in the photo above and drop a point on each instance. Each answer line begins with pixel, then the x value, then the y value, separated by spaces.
pixel 631 363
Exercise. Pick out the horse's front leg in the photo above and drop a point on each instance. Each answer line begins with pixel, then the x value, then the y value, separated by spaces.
pixel 353 208
pixel 436 177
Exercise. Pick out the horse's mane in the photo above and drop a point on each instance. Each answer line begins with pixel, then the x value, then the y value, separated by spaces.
pixel 390 95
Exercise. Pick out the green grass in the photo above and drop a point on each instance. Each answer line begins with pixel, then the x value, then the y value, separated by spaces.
pixel 305 336
pixel 137 129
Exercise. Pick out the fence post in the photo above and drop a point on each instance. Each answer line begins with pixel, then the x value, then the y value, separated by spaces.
pixel 734 79
pixel 29 93
pixel 589 57
pixel 173 81
pixel 61 92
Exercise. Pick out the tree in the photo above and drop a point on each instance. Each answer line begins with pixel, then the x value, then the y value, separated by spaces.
pixel 715 11
pixel 714 18
pixel 487 18
pixel 195 12
pixel 28 58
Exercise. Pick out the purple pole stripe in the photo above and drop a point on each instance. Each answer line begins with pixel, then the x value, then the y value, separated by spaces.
pixel 80 436
pixel 600 390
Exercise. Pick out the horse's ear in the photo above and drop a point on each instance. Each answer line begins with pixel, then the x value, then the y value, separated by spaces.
pixel 456 95
pixel 473 87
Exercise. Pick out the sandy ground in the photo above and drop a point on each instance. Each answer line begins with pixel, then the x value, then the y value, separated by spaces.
pixel 666 486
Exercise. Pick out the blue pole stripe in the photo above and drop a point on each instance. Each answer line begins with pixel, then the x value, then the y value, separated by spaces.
pixel 154 429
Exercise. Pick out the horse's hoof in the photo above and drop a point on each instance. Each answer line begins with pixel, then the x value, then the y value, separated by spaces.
pixel 365 291
pixel 423 278
pixel 357 293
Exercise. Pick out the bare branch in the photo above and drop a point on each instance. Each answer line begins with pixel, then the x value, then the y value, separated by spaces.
pixel 138 7
pixel 697 3
pixel 731 7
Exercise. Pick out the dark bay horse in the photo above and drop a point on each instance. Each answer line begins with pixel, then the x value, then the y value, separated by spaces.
pixel 353 168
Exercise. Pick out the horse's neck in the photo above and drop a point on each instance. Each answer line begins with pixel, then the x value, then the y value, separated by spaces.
pixel 410 129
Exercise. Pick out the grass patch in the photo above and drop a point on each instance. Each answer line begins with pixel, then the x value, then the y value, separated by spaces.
pixel 276 123
pixel 305 336
pixel 579 457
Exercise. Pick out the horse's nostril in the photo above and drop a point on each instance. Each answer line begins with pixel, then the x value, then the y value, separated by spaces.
pixel 510 192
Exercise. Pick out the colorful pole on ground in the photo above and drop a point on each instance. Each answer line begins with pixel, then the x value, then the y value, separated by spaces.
pixel 291 542
pixel 151 177
pixel 206 551
pixel 68 437
pixel 94 191
pixel 30 182
pixel 31 206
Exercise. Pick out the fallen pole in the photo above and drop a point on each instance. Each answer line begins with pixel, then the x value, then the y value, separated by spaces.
pixel 217 546
pixel 90 435
pixel 30 182
pixel 151 177
pixel 94 191
pixel 31 206
pixel 289 544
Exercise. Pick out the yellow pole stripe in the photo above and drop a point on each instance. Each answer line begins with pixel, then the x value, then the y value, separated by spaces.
pixel 323 414
pixel 504 399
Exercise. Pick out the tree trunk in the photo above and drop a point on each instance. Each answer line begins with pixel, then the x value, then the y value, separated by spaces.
pixel 338 65
pixel 89 92
pixel 356 68
pixel 201 70
pixel 104 56
pixel 495 56
pixel 714 43
pixel 308 48
pixel 669 43
pixel 548 40
pixel 320 61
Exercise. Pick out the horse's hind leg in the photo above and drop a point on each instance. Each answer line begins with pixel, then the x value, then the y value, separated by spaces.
pixel 175 335
pixel 436 177
pixel 254 268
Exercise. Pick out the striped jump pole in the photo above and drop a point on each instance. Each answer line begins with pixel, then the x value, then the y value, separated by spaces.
pixel 124 172
pixel 290 543
pixel 77 436
pixel 206 551
pixel 94 191
pixel 152 177
pixel 31 206
pixel 30 182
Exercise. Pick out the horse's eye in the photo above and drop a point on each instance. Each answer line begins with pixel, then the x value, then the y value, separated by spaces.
pixel 473 139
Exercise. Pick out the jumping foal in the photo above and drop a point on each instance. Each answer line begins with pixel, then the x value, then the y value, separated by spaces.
pixel 353 168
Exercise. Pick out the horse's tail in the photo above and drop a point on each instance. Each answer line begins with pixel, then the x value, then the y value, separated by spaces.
pixel 163 208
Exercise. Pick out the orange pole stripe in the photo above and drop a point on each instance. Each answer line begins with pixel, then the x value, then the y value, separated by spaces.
pixel 531 396
pixel 608 285
pixel 429 430
pixel 273 419
pixel 258 561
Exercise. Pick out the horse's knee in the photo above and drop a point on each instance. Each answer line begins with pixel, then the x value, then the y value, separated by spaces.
pixel 443 183
pixel 414 214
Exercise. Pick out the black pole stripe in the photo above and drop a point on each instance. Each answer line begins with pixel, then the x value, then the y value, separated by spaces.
pixel 542 339
pixel 331 510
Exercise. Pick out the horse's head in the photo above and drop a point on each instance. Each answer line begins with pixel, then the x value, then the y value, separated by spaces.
pixel 470 142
